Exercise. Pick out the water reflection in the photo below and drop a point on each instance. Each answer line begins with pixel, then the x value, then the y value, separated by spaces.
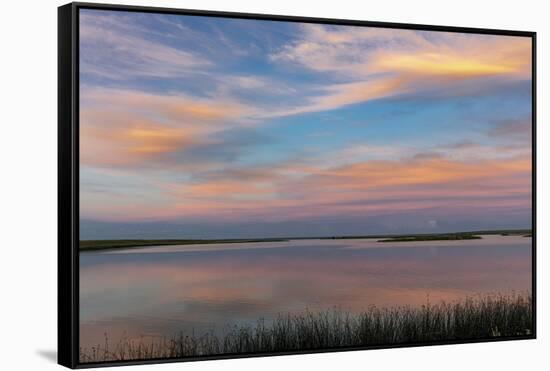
pixel 159 291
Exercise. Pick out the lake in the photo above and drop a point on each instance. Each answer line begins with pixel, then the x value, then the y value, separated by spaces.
pixel 160 291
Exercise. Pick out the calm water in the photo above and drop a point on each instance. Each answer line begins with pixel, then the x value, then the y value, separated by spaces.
pixel 158 291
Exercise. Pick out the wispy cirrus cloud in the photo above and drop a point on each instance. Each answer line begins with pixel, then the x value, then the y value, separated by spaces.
pixel 364 64
pixel 361 51
pixel 117 48
pixel 178 107
pixel 112 47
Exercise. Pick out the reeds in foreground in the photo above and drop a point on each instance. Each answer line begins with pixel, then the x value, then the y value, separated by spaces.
pixel 472 318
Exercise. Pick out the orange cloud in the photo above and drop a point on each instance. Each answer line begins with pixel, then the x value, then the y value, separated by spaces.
pixel 383 63
pixel 443 64
pixel 125 127
pixel 431 171
pixel 221 189
pixel 363 51
pixel 460 56
pixel 129 142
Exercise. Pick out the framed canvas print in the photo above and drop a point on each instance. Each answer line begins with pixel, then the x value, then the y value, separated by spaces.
pixel 236 185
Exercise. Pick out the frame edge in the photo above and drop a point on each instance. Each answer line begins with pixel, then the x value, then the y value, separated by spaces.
pixel 301 19
pixel 66 284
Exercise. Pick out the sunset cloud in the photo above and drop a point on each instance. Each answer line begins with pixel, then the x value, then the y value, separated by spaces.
pixel 363 188
pixel 129 142
pixel 397 62
pixel 180 108
pixel 362 51
pixel 124 127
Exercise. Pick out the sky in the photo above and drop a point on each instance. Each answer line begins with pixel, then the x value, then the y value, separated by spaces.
pixel 203 127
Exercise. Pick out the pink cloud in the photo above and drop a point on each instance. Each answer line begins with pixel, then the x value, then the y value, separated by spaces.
pixel 366 188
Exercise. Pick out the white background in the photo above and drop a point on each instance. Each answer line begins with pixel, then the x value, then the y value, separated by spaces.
pixel 28 180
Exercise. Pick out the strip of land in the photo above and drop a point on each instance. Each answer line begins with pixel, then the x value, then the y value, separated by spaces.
pixel 86 245
pixel 502 232
pixel 91 245
pixel 435 237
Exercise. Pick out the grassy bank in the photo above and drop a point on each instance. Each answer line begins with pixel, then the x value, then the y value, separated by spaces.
pixel 112 244
pixel 472 318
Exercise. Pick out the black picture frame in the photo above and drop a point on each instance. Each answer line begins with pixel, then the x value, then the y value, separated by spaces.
pixel 68 174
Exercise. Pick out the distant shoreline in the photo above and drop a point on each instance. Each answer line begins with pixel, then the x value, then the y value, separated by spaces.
pixel 90 245
pixel 443 237
pixel 94 245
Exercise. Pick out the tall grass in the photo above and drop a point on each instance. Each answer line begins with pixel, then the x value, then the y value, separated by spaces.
pixel 472 318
